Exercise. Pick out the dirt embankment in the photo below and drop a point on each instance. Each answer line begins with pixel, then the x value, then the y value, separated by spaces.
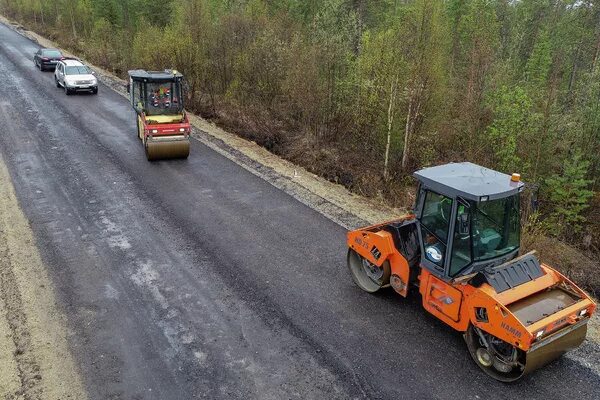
pixel 35 363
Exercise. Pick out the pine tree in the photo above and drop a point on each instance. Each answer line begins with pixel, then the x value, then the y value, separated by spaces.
pixel 569 196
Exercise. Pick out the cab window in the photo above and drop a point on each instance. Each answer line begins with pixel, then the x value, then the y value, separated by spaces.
pixel 496 228
pixel 461 244
pixel 163 98
pixel 435 222
pixel 137 96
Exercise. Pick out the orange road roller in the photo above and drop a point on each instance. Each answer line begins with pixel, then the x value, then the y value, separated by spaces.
pixel 460 248
pixel 162 123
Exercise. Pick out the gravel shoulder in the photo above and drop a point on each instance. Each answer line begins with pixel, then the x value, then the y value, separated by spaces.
pixel 34 356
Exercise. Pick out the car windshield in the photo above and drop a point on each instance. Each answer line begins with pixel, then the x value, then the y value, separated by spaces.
pixel 51 53
pixel 77 70
pixel 163 98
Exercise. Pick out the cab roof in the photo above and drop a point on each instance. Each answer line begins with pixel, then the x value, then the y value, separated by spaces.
pixel 469 181
pixel 168 75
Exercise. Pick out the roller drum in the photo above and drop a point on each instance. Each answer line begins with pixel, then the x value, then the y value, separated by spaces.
pixel 164 150
pixel 547 351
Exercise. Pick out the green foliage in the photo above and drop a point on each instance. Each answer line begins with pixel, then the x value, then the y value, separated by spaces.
pixel 538 65
pixel 351 88
pixel 585 121
pixel 514 124
pixel 569 195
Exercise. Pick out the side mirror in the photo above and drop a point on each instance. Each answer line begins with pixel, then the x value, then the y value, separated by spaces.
pixel 463 224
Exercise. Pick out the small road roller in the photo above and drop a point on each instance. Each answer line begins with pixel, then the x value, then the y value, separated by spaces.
pixel 461 248
pixel 162 123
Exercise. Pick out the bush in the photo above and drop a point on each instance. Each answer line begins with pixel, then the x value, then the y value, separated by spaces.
pixel 568 197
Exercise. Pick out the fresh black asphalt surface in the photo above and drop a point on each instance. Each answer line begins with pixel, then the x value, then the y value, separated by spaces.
pixel 196 279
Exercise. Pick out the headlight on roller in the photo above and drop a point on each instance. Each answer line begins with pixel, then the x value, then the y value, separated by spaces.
pixel 539 334
pixel 583 312
pixel 154 131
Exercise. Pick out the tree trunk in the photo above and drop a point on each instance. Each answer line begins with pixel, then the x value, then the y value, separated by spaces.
pixel 573 72
pixel 597 49
pixel 42 13
pixel 414 109
pixel 360 10
pixel 546 122
pixel 390 117
pixel 596 54
pixel 407 133
pixel 73 21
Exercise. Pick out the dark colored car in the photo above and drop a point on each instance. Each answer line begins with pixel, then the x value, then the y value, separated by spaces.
pixel 47 58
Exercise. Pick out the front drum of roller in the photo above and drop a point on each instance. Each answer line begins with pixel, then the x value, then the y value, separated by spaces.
pixel 533 359
pixel 547 353
pixel 167 150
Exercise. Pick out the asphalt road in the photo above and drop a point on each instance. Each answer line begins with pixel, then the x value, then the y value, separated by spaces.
pixel 196 279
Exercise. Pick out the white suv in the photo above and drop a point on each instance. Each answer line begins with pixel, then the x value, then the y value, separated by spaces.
pixel 73 76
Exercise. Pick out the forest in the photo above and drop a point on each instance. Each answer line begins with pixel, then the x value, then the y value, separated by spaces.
pixel 364 92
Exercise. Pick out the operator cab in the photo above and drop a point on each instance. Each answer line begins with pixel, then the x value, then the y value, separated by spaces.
pixel 156 93
pixel 469 218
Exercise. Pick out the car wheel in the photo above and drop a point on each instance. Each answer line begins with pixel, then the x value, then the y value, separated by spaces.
pixel 95 91
pixel 57 82
pixel 67 91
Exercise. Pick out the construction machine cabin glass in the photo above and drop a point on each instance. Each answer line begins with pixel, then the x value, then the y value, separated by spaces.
pixel 484 231
pixel 163 98
pixel 435 224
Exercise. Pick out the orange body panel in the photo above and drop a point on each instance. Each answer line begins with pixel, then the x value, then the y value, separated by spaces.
pixel 501 322
pixel 524 290
pixel 445 301
pixel 364 240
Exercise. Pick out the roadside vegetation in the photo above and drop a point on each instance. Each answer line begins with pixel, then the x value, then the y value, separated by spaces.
pixel 364 92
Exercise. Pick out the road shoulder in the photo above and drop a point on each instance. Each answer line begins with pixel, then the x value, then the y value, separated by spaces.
pixel 34 355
